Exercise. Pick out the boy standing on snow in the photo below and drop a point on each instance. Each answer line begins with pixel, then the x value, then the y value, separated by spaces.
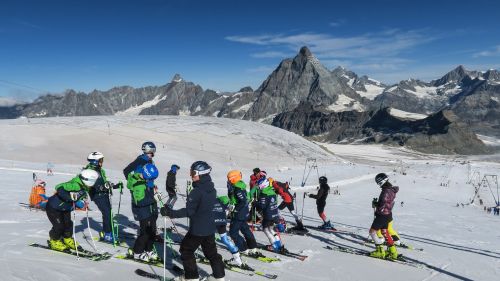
pixel 268 204
pixel 383 215
pixel 68 196
pixel 145 210
pixel 148 152
pixel 199 208
pixel 171 186
pixel 320 197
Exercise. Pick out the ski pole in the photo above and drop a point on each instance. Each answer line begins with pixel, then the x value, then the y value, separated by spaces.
pixel 303 200
pixel 88 227
pixel 164 248
pixel 74 229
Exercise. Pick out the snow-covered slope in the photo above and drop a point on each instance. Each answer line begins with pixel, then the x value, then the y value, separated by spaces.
pixel 459 243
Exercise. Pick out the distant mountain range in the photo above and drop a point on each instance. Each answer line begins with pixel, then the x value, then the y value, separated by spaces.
pixel 303 96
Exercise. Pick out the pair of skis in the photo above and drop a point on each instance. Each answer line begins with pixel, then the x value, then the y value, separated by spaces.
pixel 82 253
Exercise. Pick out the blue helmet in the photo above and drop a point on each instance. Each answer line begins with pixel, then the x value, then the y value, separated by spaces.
pixel 149 172
pixel 174 168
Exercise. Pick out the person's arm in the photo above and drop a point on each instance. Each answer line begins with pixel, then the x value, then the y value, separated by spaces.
pixel 131 167
pixel 192 203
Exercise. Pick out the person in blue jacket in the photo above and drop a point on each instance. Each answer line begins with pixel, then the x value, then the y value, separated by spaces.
pixel 148 152
pixel 145 210
pixel 199 208
pixel 69 195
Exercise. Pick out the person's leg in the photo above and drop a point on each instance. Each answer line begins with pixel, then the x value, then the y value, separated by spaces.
pixel 151 232
pixel 209 249
pixel 142 238
pixel 56 219
pixel 104 207
pixel 251 243
pixel 188 246
pixel 234 232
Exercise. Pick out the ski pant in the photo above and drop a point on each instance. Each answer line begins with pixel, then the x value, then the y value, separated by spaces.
pixel 62 225
pixel 238 226
pixel 189 245
pixel 147 233
pixel 290 207
pixel 104 206
pixel 172 198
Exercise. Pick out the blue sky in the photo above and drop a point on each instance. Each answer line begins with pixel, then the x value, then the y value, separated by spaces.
pixel 51 46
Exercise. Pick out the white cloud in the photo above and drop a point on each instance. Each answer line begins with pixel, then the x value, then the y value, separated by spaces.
pixel 490 53
pixel 6 101
pixel 271 54
pixel 261 69
pixel 337 23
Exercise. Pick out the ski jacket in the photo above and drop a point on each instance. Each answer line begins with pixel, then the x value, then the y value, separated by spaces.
pixel 170 183
pixel 283 191
pixel 200 203
pixel 322 194
pixel 143 202
pixel 238 197
pixel 61 200
pixel 99 189
pixel 136 165
pixel 219 210
pixel 268 204
pixel 386 200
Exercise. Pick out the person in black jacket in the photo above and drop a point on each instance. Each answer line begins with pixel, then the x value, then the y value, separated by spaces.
pixel 199 208
pixel 171 186
pixel 149 150
pixel 320 197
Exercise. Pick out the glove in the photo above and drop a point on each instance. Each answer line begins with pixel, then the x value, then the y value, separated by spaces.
pixel 119 185
pixel 230 208
pixel 375 203
pixel 76 195
pixel 108 185
pixel 80 204
pixel 166 211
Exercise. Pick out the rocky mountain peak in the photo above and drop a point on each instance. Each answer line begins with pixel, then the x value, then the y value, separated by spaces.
pixel 304 51
pixel 177 78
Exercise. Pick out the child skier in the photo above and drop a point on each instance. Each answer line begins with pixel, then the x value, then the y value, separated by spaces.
pixel 68 196
pixel 392 232
pixel 383 215
pixel 100 193
pixel 239 213
pixel 320 197
pixel 171 186
pixel 38 198
pixel 199 208
pixel 220 212
pixel 148 152
pixel 283 190
pixel 267 204
pixel 145 210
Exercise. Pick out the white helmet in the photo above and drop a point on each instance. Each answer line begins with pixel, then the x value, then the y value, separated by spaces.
pixel 89 177
pixel 95 157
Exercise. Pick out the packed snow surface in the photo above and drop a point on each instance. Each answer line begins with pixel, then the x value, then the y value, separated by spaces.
pixel 459 243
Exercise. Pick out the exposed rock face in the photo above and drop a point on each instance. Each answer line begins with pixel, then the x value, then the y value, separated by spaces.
pixel 439 133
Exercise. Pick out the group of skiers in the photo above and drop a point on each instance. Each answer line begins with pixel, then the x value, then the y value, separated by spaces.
pixel 206 211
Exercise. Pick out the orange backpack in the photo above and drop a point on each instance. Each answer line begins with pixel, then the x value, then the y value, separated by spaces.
pixel 37 195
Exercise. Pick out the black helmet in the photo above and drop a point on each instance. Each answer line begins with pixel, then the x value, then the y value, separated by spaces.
pixel 323 180
pixel 256 170
pixel 148 147
pixel 200 168
pixel 381 179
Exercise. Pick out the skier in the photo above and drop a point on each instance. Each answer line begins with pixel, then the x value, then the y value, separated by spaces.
pixel 145 210
pixel 221 208
pixel 59 206
pixel 267 203
pixel 100 194
pixel 383 215
pixel 320 197
pixel 253 195
pixel 148 149
pixel 171 186
pixel 392 232
pixel 283 189
pixel 236 190
pixel 199 208
pixel 38 198
pixel 254 177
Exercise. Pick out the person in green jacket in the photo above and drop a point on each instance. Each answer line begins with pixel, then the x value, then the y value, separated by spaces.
pixel 145 210
pixel 69 195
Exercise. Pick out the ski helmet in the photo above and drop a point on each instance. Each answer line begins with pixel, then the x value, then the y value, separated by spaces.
pixel 323 180
pixel 149 172
pixel 174 168
pixel 199 168
pixel 263 182
pixel 256 171
pixel 381 179
pixel 89 177
pixel 40 182
pixel 95 157
pixel 234 176
pixel 148 147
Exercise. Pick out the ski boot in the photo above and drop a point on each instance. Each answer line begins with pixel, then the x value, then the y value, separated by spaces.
pixel 379 252
pixel 70 243
pixel 277 247
pixel 57 245
pixel 153 256
pixel 236 260
pixel 182 278
pixel 107 237
pixel 142 257
pixel 391 253
pixel 212 278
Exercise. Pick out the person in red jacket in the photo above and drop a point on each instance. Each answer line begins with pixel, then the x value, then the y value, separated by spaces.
pixel 383 215
pixel 283 190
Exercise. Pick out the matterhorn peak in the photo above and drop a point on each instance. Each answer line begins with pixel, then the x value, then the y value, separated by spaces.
pixel 177 78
